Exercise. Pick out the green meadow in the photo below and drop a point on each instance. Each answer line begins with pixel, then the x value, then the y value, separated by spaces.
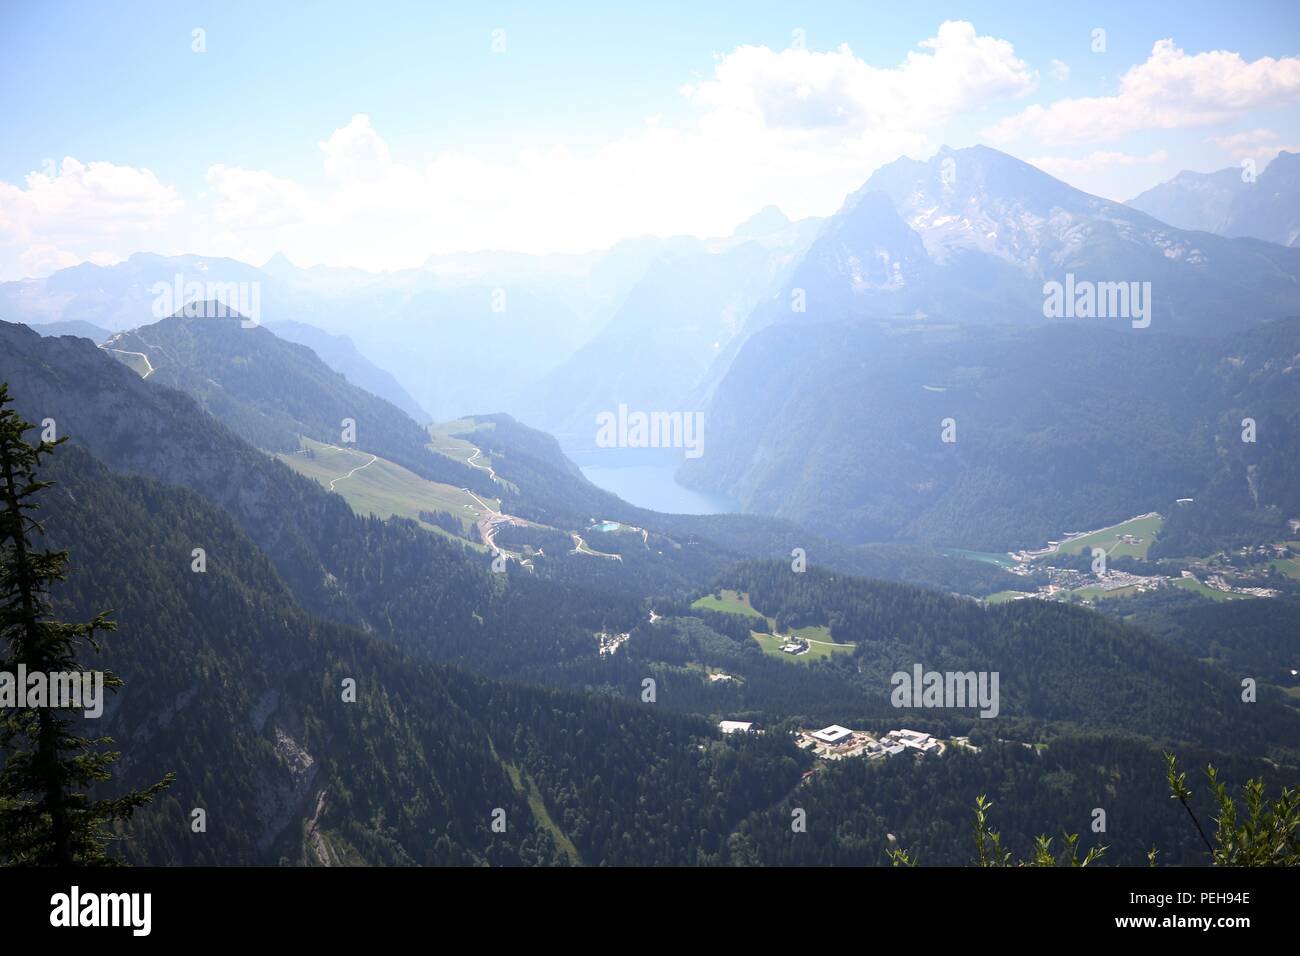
pixel 818 635
pixel 731 602
pixel 1111 539
pixel 1191 584
pixel 382 488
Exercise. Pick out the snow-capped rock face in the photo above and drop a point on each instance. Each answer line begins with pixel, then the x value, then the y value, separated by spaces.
pixel 974 234
pixel 980 200
pixel 873 248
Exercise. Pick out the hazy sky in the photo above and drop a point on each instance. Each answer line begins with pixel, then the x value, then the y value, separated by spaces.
pixel 375 134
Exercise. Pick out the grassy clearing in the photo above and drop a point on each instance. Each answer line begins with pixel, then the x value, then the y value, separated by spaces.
pixel 816 652
pixel 815 632
pixel 819 635
pixel 1002 597
pixel 443 441
pixel 1288 566
pixel 524 784
pixel 1002 560
pixel 382 488
pixel 1111 539
pixel 731 602
pixel 1096 593
pixel 1191 584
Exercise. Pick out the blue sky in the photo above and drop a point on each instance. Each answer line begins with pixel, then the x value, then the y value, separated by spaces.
pixel 376 134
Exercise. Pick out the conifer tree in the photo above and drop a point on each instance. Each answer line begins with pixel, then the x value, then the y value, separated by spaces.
pixel 46 816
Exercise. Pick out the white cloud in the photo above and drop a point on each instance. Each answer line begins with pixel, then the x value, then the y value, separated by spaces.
pixel 81 211
pixel 42 259
pixel 356 152
pixel 256 198
pixel 1060 70
pixel 799 89
pixel 1251 139
pixel 1063 167
pixel 1170 90
pixel 660 180
pixel 794 128
pixel 79 197
pixel 1258 144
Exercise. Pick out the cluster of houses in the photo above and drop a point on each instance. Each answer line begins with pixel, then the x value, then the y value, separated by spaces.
pixel 836 742
pixel 609 643
pixel 903 741
pixel 1220 583
pixel 795 646
pixel 736 727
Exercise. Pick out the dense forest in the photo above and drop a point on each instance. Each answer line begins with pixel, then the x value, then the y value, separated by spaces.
pixel 480 692
pixel 1057 429
pixel 853 807
pixel 270 391
pixel 1056 663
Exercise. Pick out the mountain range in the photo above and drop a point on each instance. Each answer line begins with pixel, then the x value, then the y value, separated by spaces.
pixel 1232 202
pixel 300 594
pixel 1053 429
pixel 974 235
pixel 673 327
pixel 883 394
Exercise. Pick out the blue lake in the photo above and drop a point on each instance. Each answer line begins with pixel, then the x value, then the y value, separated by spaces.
pixel 653 487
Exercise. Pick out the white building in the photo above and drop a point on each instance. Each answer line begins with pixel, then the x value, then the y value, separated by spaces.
pixel 735 726
pixel 833 735
pixel 896 741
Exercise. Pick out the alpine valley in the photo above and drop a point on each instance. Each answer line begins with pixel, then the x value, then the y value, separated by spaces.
pixel 373 487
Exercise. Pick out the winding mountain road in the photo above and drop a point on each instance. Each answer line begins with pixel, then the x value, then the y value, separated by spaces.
pixel 335 481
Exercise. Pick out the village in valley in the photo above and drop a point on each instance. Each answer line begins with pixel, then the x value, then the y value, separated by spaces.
pixel 1065 570
pixel 840 743
pixel 1057 576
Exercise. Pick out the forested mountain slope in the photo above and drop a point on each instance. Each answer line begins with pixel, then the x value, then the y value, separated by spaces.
pixel 270 391
pixel 328 556
pixel 1054 429
pixel 237 690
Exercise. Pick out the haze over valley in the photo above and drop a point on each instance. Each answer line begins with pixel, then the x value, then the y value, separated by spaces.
pixel 832 440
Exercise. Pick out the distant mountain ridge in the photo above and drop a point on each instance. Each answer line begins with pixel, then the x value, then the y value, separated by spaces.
pixel 1193 200
pixel 338 352
pixel 1271 209
pixel 75 327
pixel 430 328
pixel 1230 203
pixel 271 391
pixel 233 675
pixel 674 326
pixel 924 299
pixel 973 235
pixel 839 427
